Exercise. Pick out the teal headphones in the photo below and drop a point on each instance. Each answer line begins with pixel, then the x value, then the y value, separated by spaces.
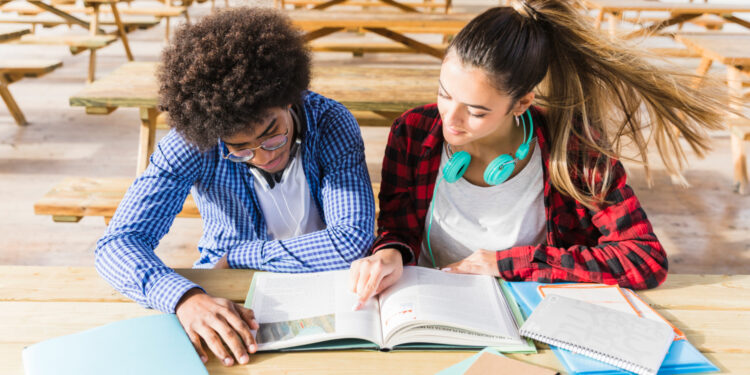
pixel 496 172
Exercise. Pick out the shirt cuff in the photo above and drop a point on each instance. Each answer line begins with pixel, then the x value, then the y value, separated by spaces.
pixel 168 290
pixel 406 254
pixel 515 262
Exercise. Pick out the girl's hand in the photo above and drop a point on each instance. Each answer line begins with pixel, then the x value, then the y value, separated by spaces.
pixel 481 262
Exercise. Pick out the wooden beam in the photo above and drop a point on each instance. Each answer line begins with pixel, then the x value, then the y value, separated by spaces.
pixel 67 16
pixel 15 111
pixel 319 33
pixel 405 40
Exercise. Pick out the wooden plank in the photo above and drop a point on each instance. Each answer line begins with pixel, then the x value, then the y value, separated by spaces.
pixel 108 20
pixel 314 3
pixel 83 284
pixel 66 16
pixel 160 11
pixel 79 197
pixel 727 48
pixel 11 33
pixel 93 197
pixel 717 292
pixel 359 88
pixel 131 85
pixel 329 362
pixel 80 41
pixel 312 20
pixel 28 67
pixel 409 42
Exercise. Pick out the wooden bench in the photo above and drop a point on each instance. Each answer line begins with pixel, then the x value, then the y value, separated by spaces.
pixel 14 70
pixel 130 23
pixel 75 198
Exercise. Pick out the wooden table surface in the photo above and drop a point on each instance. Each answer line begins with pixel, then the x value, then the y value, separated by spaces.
pixel 38 303
pixel 726 48
pixel 358 87
pixel 381 89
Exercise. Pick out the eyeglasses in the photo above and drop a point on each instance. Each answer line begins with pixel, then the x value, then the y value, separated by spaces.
pixel 274 143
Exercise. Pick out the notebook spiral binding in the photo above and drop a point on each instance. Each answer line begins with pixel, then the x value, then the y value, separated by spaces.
pixel 626 365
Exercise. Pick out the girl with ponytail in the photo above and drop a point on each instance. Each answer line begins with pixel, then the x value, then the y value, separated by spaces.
pixel 515 171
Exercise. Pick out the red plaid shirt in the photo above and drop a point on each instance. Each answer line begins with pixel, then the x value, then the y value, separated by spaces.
pixel 614 243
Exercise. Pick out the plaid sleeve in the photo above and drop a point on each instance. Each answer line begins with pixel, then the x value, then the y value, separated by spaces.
pixel 628 252
pixel 398 226
pixel 348 208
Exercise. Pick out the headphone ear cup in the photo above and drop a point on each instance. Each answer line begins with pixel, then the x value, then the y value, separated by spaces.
pixel 499 170
pixel 455 167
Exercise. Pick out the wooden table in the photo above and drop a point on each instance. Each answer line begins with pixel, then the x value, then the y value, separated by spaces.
pixel 679 13
pixel 389 25
pixel 381 89
pixel 39 303
pixel 732 50
pixel 93 26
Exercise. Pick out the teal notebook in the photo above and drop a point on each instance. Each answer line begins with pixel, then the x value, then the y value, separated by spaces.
pixel 149 345
pixel 425 309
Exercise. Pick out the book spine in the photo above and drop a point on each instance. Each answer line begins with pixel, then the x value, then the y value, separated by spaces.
pixel 623 364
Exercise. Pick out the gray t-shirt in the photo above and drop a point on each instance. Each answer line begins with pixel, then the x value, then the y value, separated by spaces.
pixel 469 217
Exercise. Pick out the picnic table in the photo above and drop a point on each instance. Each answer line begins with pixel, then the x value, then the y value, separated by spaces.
pixel 732 50
pixel 389 25
pixel 93 26
pixel 679 12
pixel 39 303
pixel 385 90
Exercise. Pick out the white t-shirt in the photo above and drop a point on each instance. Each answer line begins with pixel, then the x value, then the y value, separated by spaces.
pixel 469 217
pixel 288 208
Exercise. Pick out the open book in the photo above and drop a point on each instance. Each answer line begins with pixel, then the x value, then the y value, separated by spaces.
pixel 425 309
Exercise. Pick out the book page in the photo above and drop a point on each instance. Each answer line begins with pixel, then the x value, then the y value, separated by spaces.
pixel 610 296
pixel 298 309
pixel 437 297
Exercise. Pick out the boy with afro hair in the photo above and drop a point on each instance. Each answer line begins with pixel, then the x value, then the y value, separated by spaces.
pixel 278 174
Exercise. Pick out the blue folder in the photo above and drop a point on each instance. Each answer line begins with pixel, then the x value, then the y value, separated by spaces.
pixel 682 358
pixel 154 344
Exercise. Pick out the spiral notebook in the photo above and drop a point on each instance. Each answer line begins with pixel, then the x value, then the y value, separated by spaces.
pixel 623 340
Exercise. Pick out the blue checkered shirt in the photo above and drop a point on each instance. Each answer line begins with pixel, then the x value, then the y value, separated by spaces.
pixel 334 164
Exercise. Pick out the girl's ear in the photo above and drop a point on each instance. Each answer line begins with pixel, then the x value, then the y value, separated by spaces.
pixel 523 104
